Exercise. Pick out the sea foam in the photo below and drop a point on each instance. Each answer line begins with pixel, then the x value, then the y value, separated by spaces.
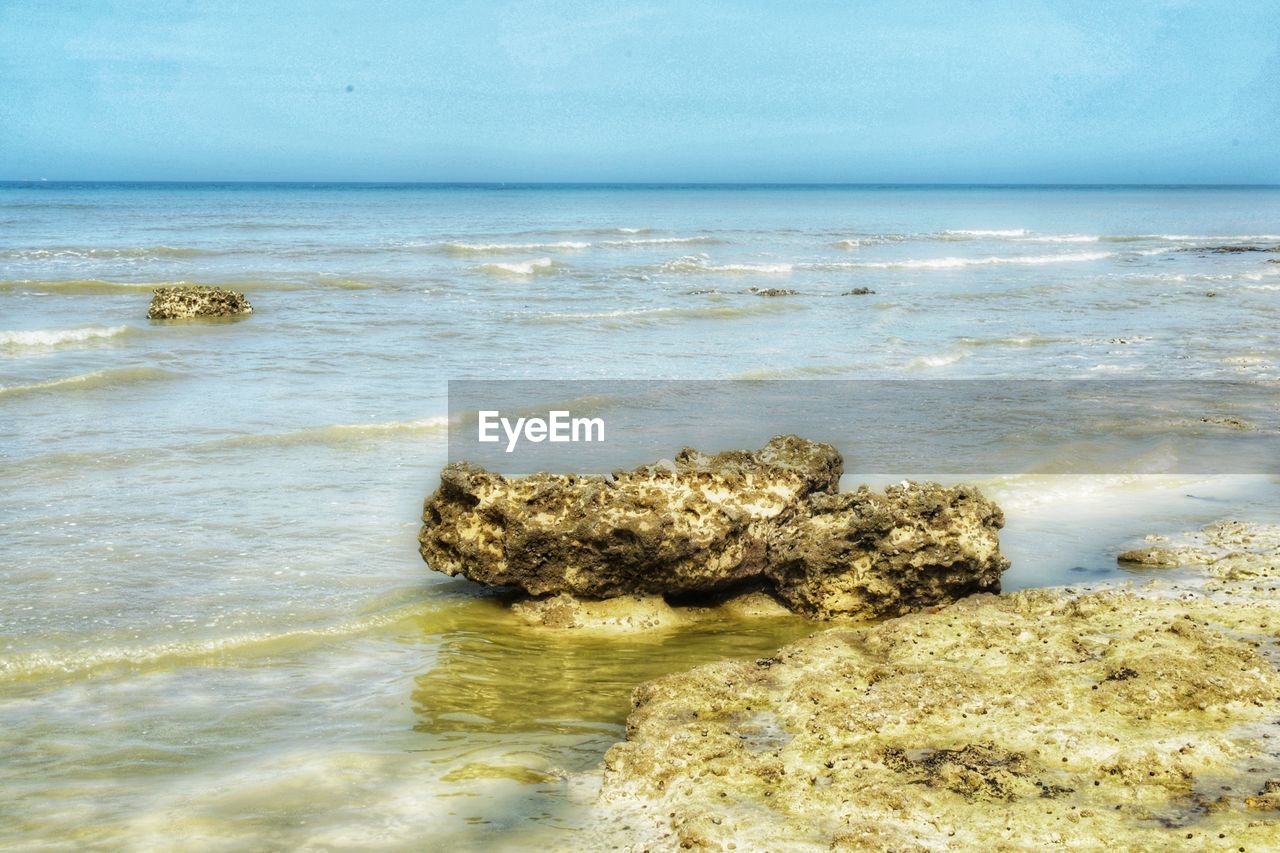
pixel 49 338
pixel 521 268
pixel 505 248
pixel 960 262
pixel 700 263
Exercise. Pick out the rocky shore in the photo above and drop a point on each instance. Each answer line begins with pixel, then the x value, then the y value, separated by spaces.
pixel 937 715
pixel 1136 719
pixel 187 301
pixel 707 524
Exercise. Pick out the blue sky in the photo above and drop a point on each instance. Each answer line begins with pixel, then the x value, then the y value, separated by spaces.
pixel 547 90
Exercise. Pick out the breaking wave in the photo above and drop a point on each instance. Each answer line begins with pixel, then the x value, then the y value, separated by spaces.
pixel 90 381
pixel 98 286
pixel 503 248
pixel 106 253
pixel 646 316
pixel 338 433
pixel 50 338
pixel 960 262
pixel 986 232
pixel 37 665
pixel 521 268
pixel 660 241
pixel 701 263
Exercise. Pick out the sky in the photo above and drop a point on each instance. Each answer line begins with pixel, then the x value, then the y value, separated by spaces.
pixel 953 91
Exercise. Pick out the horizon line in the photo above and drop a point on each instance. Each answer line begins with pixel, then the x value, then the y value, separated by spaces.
pixel 36 182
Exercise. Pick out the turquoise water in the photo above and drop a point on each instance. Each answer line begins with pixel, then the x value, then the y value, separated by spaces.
pixel 216 628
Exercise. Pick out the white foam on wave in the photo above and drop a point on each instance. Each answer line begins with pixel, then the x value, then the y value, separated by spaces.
pixel 1063 238
pixel 49 338
pixel 986 232
pixel 503 248
pixel 960 262
pixel 934 360
pixel 106 252
pixel 658 241
pixel 642 316
pixel 521 268
pixel 702 263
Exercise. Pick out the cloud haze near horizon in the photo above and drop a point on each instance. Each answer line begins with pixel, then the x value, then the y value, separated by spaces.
pixel 1150 91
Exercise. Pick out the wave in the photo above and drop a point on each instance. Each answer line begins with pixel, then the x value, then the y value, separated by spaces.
pixel 661 241
pixel 1026 235
pixel 39 665
pixel 941 359
pixel 49 338
pixel 802 372
pixel 100 287
pixel 589 232
pixel 1196 238
pixel 91 381
pixel 522 268
pixel 959 262
pixel 643 316
pixel 986 232
pixel 701 264
pixel 336 433
pixel 504 248
pixel 1064 238
pixel 1024 341
pixel 107 253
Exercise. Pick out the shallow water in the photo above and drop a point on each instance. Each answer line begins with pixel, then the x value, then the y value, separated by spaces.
pixel 217 630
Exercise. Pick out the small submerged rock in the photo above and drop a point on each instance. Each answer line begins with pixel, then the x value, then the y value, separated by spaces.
pixel 1227 421
pixel 187 301
pixel 1231 249
pixel 859 291
pixel 1228 550
pixel 628 613
pixel 624 613
pixel 706 524
pixel 774 291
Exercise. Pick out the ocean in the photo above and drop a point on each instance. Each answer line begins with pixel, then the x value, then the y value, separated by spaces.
pixel 217 631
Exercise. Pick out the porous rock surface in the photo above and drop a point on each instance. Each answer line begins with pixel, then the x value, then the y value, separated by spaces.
pixel 887 554
pixel 699 523
pixel 706 523
pixel 186 301
pixel 1229 550
pixel 1040 719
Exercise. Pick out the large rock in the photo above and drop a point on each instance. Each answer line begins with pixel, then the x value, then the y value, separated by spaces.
pixel 698 524
pixel 1042 719
pixel 186 301
pixel 887 554
pixel 707 523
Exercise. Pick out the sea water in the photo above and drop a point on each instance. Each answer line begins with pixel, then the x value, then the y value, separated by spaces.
pixel 216 629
